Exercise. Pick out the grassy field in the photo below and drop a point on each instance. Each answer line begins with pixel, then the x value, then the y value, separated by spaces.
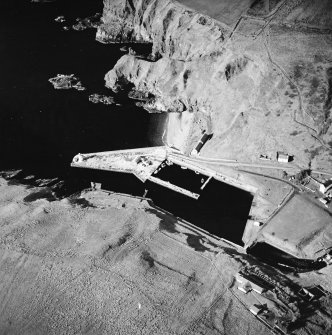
pixel 301 227
pixel 109 264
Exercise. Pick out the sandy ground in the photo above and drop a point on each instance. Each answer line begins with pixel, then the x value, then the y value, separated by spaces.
pixel 110 264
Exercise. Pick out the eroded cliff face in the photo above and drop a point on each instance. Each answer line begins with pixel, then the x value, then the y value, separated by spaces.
pixel 196 79
pixel 247 87
pixel 201 95
pixel 175 32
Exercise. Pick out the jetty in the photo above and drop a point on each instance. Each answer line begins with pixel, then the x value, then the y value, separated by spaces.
pixel 144 163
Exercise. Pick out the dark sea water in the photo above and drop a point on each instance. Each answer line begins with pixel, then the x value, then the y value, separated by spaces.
pixel 41 128
pixel 221 209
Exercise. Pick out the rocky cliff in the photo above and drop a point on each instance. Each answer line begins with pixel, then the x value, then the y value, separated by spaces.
pixel 174 31
pixel 241 84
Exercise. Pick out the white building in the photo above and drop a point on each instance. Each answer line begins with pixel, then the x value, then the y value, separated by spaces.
pixel 324 201
pixel 247 284
pixel 256 309
pixel 326 188
pixel 282 157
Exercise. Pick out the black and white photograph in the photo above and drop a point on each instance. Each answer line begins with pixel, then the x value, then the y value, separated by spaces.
pixel 166 167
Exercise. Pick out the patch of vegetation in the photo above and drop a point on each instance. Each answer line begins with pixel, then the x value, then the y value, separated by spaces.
pixel 295 132
pixel 325 127
pixel 171 45
pixel 166 222
pixel 216 53
pixel 186 75
pixel 302 175
pixel 81 202
pixel 167 20
pixel 298 71
pixel 123 239
pixel 314 83
pixel 191 279
pixel 318 59
pixel 260 7
pixel 329 72
pixel 314 152
pixel 107 249
pixel 43 194
pixel 235 67
pixel 195 242
pixel 147 259
pixel 327 109
pixel 174 92
pixel 202 20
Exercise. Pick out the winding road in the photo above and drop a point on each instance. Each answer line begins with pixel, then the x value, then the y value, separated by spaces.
pixel 236 164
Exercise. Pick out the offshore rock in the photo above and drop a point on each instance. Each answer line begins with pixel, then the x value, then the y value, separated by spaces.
pixel 100 98
pixel 60 19
pixel 87 23
pixel 66 82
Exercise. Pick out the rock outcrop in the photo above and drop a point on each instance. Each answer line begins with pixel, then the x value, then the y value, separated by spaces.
pixel 66 82
pixel 174 31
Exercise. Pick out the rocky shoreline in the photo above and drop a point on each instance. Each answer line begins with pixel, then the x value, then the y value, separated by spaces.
pixel 192 63
pixel 210 77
